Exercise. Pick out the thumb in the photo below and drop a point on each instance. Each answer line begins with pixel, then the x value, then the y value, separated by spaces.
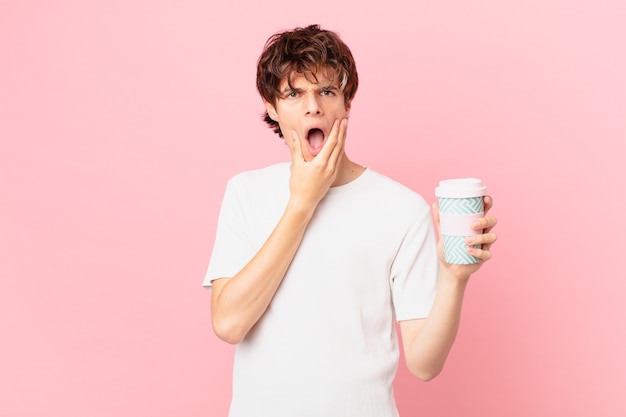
pixel 435 207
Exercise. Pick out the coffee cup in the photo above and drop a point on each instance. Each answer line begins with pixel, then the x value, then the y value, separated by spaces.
pixel 460 203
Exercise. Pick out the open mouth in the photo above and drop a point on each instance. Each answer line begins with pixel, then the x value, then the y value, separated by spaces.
pixel 315 137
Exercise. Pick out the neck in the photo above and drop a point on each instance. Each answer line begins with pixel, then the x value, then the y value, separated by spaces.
pixel 348 171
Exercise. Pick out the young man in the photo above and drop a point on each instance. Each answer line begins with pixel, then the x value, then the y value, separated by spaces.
pixel 316 259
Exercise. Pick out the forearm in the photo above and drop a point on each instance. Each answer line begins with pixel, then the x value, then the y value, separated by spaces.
pixel 240 301
pixel 427 352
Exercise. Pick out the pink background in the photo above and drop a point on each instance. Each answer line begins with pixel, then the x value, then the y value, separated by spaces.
pixel 120 122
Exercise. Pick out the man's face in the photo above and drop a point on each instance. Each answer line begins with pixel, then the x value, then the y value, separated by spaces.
pixel 309 109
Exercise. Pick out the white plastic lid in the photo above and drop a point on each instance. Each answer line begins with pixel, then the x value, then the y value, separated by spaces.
pixel 461 188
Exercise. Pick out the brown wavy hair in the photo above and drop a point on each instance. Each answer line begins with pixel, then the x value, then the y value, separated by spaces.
pixel 304 51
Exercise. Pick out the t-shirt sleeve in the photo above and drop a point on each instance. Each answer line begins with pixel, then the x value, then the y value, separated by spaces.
pixel 232 248
pixel 415 269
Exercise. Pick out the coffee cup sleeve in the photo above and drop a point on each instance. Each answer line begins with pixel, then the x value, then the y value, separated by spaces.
pixel 458 224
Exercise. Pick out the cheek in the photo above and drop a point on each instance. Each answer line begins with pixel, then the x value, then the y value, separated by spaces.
pixel 342 110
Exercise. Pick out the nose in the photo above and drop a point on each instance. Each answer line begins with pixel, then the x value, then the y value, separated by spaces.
pixel 312 103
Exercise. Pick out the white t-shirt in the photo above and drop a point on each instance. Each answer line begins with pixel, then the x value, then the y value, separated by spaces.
pixel 327 344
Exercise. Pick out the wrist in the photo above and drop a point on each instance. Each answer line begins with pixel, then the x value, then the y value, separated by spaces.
pixel 454 277
pixel 300 208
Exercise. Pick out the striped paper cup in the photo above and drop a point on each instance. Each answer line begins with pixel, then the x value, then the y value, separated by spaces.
pixel 460 203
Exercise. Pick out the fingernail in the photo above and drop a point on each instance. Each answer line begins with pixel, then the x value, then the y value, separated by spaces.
pixel 476 224
pixel 470 241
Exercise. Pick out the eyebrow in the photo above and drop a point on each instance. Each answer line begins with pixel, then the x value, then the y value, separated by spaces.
pixel 289 89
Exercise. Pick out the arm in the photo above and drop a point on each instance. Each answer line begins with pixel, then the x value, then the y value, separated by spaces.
pixel 239 302
pixel 427 342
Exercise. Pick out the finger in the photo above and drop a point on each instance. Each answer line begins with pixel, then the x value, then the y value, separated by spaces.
pixel 482 239
pixel 341 140
pixel 489 223
pixel 330 144
pixel 484 223
pixel 488 203
pixel 294 147
pixel 482 254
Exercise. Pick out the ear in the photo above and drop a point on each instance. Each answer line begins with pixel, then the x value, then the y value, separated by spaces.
pixel 271 110
pixel 348 105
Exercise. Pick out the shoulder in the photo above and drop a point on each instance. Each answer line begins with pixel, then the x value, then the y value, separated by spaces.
pixel 260 188
pixel 393 191
pixel 263 177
